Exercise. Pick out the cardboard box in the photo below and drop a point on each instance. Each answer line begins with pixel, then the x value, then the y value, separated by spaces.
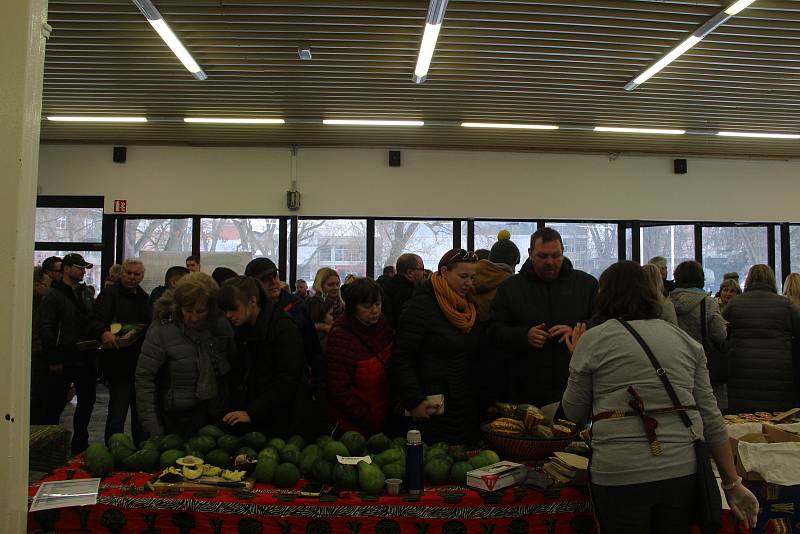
pixel 772 434
pixel 497 476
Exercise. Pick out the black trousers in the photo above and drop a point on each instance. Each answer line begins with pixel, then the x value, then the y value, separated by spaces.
pixel 84 376
pixel 663 507
pixel 122 396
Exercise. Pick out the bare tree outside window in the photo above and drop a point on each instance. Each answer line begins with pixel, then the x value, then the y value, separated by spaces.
pixel 233 243
pixel 337 243
pixel 675 243
pixel 69 225
pixel 160 244
pixel 732 248
pixel 94 257
pixel 429 239
pixel 591 247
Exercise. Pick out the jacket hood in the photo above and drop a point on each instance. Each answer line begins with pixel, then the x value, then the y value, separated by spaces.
pixel 566 269
pixel 489 275
pixel 686 299
pixel 162 309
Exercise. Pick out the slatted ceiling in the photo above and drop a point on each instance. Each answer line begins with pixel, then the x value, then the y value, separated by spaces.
pixel 551 61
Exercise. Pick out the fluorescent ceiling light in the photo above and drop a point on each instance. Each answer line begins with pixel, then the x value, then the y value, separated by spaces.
pixel 640 130
pixel 159 25
pixel 64 118
pixel 219 120
pixel 758 134
pixel 349 122
pixel 671 56
pixel 433 24
pixel 509 126
pixel 736 7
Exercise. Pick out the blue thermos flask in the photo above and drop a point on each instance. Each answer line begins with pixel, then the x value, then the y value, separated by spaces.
pixel 414 475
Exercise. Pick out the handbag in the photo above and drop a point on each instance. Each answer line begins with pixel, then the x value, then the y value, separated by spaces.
pixel 716 356
pixel 708 503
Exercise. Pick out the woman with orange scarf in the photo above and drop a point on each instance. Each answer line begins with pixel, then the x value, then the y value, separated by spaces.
pixel 437 346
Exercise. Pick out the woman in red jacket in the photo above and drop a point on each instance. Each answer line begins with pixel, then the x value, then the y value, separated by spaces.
pixel 359 349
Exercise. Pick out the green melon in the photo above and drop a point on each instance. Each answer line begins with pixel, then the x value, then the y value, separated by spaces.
pixel 153 444
pixel 255 440
pixel 291 454
pixel 311 449
pixel 333 449
pixel 323 440
pixel 458 454
pixel 378 443
pixel 144 460
pixel 99 460
pixel 297 440
pixel 247 451
pixel 490 455
pixel 276 443
pixel 371 478
pixel 218 458
pixel 169 456
pixel 228 443
pixel 394 470
pixel 480 461
pixel 437 471
pixel 121 451
pixel 355 443
pixel 203 444
pixel 345 476
pixel 458 473
pixel 265 469
pixel 269 452
pixel 211 431
pixel 390 455
pixel 286 475
pixel 172 441
pixel 121 439
pixel 322 471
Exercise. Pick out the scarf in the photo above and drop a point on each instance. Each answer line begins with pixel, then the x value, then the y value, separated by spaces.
pixel 458 310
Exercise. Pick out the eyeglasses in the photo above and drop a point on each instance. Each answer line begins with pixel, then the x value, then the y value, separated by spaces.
pixel 459 255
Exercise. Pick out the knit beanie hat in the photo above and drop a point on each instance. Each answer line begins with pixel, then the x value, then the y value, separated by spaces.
pixel 504 251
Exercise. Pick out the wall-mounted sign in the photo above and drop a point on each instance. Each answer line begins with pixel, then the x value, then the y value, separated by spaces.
pixel 120 206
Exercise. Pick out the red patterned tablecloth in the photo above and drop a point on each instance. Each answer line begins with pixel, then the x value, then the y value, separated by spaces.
pixel 126 506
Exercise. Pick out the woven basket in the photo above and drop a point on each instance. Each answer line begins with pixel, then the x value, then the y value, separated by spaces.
pixel 525 447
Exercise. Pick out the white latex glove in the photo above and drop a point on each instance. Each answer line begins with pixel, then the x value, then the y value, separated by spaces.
pixel 743 504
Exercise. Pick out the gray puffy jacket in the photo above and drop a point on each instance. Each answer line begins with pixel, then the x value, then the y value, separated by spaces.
pixel 687 307
pixel 763 370
pixel 167 371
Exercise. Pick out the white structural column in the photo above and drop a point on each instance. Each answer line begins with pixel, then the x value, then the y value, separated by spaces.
pixel 22 43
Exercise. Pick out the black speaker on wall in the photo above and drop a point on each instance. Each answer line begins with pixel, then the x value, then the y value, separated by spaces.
pixel 680 166
pixel 394 158
pixel 120 154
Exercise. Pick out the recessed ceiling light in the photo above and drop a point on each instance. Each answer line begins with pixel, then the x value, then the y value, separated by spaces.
pixel 759 134
pixel 349 122
pixel 664 131
pixel 510 126
pixel 220 120
pixel 64 118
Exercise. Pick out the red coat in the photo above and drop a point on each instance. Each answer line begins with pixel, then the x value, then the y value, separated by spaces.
pixel 357 360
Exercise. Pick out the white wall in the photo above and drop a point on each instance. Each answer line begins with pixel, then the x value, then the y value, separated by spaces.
pixel 253 181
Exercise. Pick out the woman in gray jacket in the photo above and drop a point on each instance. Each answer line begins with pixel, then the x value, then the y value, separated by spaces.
pixel 643 474
pixel 186 354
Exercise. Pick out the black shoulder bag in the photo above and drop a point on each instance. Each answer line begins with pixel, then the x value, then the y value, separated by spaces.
pixel 716 356
pixel 708 504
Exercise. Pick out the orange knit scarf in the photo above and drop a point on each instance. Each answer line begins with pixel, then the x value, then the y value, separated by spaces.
pixel 458 310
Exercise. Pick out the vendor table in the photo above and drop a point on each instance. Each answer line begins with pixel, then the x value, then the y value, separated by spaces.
pixel 126 506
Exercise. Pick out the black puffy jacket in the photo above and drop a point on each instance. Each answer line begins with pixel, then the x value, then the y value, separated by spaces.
pixel 764 331
pixel 431 357
pixel 397 289
pixel 537 375
pixel 267 377
pixel 64 321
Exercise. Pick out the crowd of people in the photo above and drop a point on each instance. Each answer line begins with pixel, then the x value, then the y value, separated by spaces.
pixel 427 350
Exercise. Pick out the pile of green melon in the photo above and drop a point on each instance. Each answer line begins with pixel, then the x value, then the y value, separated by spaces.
pixel 285 462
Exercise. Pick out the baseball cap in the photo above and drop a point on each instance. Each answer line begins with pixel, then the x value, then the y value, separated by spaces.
pixel 260 267
pixel 76 260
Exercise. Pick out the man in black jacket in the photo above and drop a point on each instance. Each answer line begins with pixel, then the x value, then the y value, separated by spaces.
pixel 125 303
pixel 399 288
pixel 532 314
pixel 70 353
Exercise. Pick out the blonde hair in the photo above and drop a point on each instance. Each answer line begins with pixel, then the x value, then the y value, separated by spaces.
pixel 322 276
pixel 132 261
pixel 791 288
pixel 760 274
pixel 653 274
pixel 191 290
